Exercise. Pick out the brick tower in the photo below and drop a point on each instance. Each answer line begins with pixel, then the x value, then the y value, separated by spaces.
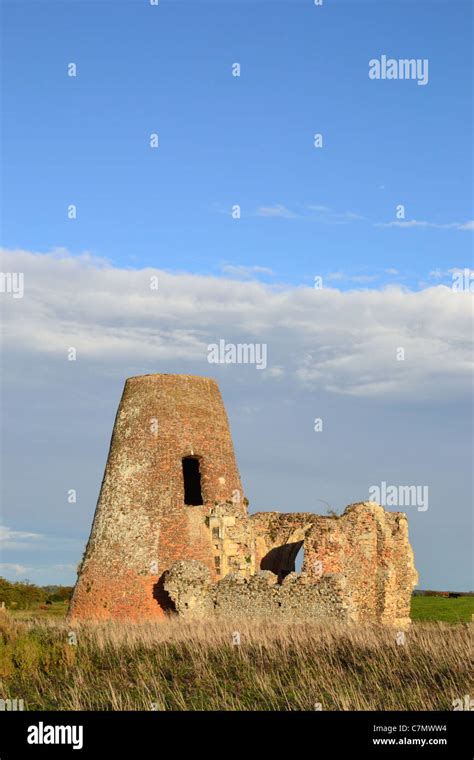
pixel 171 460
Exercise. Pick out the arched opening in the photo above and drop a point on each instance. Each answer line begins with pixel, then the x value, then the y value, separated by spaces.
pixel 281 560
pixel 192 481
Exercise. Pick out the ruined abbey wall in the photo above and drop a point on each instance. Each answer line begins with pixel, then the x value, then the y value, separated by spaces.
pixel 151 553
pixel 367 545
pixel 257 597
pixel 357 567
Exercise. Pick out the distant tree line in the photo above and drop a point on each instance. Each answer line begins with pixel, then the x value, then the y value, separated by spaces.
pixel 428 592
pixel 23 595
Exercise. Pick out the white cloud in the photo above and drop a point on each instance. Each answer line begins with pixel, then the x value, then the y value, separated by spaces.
pixel 311 212
pixel 320 209
pixel 16 539
pixel 327 215
pixel 419 223
pixel 278 211
pixel 12 567
pixel 243 271
pixel 439 274
pixel 41 574
pixel 276 371
pixel 344 342
pixel 330 216
pixel 358 278
pixel 347 216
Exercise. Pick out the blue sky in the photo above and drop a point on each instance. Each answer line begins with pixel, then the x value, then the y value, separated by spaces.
pixel 305 212
pixel 246 140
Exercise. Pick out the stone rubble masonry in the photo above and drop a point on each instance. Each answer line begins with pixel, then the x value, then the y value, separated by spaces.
pixel 257 596
pixel 366 545
pixel 149 554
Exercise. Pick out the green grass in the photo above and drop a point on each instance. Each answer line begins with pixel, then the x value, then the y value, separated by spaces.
pixel 55 610
pixel 436 608
pixel 442 609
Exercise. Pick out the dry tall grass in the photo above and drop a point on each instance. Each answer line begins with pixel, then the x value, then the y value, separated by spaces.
pixel 195 666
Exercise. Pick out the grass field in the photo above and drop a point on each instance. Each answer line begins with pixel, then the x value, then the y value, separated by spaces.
pixel 55 610
pixel 195 666
pixel 448 610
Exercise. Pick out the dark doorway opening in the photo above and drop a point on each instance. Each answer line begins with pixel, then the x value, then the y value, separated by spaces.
pixel 192 481
pixel 281 559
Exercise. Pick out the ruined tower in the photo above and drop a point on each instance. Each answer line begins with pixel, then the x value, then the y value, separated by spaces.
pixel 171 461
pixel 171 530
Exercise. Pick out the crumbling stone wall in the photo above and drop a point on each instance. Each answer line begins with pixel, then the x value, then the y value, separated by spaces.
pixel 357 567
pixel 366 545
pixel 189 585
pixel 150 553
pixel 256 597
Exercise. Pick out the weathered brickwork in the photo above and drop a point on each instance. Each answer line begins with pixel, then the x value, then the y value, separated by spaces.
pixel 150 552
pixel 142 524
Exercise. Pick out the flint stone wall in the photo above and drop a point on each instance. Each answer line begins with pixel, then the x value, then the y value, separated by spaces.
pixel 259 596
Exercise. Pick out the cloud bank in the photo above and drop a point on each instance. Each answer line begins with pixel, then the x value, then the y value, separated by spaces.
pixel 345 342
